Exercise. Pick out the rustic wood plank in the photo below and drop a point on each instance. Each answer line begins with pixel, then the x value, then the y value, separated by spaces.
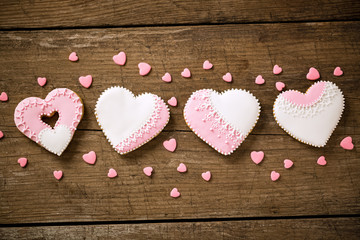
pixel 245 51
pixel 73 13
pixel 329 228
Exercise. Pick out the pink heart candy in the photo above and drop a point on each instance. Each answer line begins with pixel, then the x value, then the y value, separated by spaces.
pixel 346 143
pixel 73 57
pixel 85 81
pixel 58 174
pixel 1 134
pixel 259 80
pixel 120 59
pixel 321 161
pixel 170 145
pixel 90 157
pixel 186 73
pixel 206 176
pixel 288 163
pixel 338 72
pixel 313 74
pixel 166 77
pixel 41 81
pixel 279 86
pixel 175 193
pixel 22 161
pixel 144 68
pixel 148 171
pixel 207 65
pixel 181 168
pixel 3 97
pixel 277 70
pixel 257 157
pixel 112 173
pixel 274 176
pixel 172 101
pixel 227 77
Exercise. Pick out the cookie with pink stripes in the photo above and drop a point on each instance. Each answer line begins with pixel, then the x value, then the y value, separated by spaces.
pixel 222 120
pixel 130 121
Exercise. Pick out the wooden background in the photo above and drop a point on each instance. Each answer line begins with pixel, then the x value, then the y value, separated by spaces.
pixel 245 38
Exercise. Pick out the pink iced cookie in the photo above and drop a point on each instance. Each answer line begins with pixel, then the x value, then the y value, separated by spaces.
pixel 90 157
pixel 120 59
pixel 259 80
pixel 170 145
pixel 222 120
pixel 129 121
pixel 166 77
pixel 347 144
pixel 207 65
pixel 274 176
pixel 277 70
pixel 86 81
pixel 148 171
pixel 310 117
pixel 58 174
pixel 22 162
pixel 227 77
pixel 279 86
pixel 206 176
pixel 313 74
pixel 181 168
pixel 3 97
pixel 112 173
pixel 41 81
pixel 73 57
pixel 257 157
pixel 1 134
pixel 175 193
pixel 186 73
pixel 338 72
pixel 28 113
pixel 172 101
pixel 144 68
pixel 288 163
pixel 321 161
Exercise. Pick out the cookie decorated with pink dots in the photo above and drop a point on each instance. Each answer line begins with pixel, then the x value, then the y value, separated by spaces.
pixel 29 112
pixel 222 120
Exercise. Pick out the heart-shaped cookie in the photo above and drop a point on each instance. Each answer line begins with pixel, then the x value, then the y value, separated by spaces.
pixel 222 120
pixel 129 122
pixel 311 117
pixel 28 115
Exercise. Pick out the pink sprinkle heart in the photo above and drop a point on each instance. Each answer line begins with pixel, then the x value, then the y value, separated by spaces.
pixel 181 168
pixel 172 101
pixel 206 176
pixel 90 157
pixel 148 171
pixel 22 161
pixel 275 176
pixel 288 163
pixel 338 72
pixel 3 97
pixel 321 161
pixel 120 59
pixel 279 86
pixel 41 81
pixel 347 144
pixel 85 81
pixel 257 157
pixel 73 57
pixel 313 74
pixel 144 68
pixel 207 65
pixel 259 80
pixel 227 77
pixel 175 193
pixel 112 173
pixel 1 134
pixel 166 77
pixel 186 73
pixel 58 174
pixel 277 70
pixel 170 145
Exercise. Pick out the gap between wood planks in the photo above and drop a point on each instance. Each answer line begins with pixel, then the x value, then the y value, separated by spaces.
pixel 176 25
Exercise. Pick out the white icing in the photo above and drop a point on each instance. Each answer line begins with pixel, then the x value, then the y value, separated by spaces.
pixel 238 107
pixel 55 140
pixel 120 113
pixel 312 125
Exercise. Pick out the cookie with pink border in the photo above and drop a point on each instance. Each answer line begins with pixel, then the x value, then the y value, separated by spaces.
pixel 129 121
pixel 66 103
pixel 310 117
pixel 222 120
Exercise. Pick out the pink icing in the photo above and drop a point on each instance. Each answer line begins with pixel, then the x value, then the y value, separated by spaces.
pixel 203 119
pixel 312 95
pixel 27 115
pixel 149 130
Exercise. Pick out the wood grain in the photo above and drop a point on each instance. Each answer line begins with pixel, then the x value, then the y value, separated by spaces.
pixel 340 228
pixel 239 188
pixel 74 13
